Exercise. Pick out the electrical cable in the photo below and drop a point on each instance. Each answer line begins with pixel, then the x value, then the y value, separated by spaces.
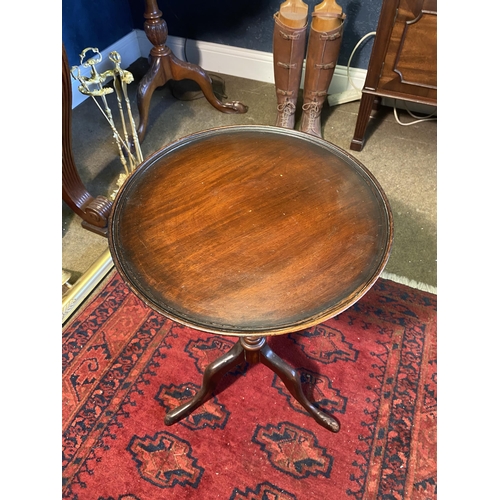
pixel 372 33
pixel 415 116
pixel 420 119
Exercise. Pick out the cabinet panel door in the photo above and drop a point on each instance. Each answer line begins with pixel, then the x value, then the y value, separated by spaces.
pixel 411 60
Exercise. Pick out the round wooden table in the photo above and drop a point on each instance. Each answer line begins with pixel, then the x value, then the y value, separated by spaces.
pixel 250 231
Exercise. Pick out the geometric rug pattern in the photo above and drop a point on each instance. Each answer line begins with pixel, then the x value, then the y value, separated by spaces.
pixel 374 367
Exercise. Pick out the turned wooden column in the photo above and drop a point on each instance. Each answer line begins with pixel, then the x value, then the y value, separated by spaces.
pixel 165 66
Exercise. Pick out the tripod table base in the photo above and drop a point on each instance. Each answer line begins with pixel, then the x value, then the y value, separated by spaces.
pixel 252 350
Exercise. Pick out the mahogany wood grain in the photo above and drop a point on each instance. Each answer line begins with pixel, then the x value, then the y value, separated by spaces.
pixel 250 230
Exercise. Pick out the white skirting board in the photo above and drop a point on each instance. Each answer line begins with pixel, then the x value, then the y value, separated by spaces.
pixel 215 58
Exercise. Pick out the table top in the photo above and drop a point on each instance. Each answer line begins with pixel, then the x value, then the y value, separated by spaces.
pixel 250 230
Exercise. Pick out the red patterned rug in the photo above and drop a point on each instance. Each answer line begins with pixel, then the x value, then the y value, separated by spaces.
pixel 373 366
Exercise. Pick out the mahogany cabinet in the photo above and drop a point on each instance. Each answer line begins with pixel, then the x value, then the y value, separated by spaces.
pixel 403 63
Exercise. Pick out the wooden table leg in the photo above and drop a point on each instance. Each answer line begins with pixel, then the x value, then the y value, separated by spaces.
pixel 213 373
pixel 291 379
pixel 253 350
pixel 165 66
pixel 365 109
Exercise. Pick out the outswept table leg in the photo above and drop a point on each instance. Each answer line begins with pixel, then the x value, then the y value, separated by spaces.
pixel 184 70
pixel 213 373
pixel 154 78
pixel 291 378
pixel 166 66
pixel 252 350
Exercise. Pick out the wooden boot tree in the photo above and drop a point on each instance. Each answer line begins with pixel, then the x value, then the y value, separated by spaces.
pixel 293 13
pixel 325 16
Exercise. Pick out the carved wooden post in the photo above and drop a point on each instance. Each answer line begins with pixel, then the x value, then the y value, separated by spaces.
pixel 155 28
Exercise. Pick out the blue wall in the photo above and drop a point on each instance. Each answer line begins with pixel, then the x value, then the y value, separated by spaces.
pixel 93 23
pixel 239 23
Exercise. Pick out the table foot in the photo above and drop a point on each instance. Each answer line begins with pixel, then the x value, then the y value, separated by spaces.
pixel 213 373
pixel 165 66
pixel 182 70
pixel 291 379
pixel 252 350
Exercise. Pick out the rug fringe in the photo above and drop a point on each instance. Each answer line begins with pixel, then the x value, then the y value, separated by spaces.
pixel 409 282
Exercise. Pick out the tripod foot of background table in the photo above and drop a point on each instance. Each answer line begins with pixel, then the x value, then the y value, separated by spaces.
pixel 252 350
pixel 165 66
